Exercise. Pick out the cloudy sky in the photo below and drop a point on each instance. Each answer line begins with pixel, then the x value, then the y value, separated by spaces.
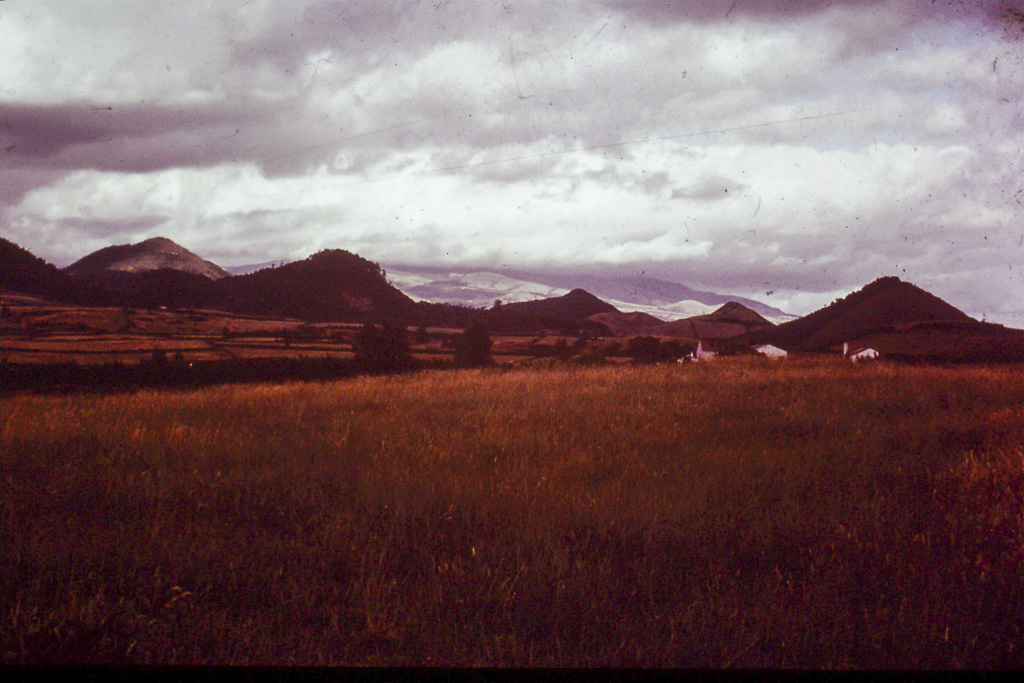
pixel 791 152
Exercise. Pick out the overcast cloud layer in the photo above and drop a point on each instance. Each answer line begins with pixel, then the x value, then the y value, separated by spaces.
pixel 791 152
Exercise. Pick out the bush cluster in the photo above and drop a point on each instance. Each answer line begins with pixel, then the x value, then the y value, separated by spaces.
pixel 648 349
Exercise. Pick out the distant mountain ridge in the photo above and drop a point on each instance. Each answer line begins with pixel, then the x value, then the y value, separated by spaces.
pixel 651 292
pixel 253 267
pixel 654 292
pixel 479 289
pixel 898 319
pixel 109 268
pixel 330 285
pixel 730 320
pixel 157 253
pixel 474 289
pixel 573 307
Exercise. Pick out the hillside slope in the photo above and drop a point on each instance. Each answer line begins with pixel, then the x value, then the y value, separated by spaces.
pixel 730 320
pixel 575 306
pixel 24 272
pixel 330 285
pixel 479 289
pixel 157 253
pixel 880 306
pixel 627 324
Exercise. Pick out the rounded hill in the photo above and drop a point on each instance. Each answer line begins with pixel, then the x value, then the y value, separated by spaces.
pixel 877 307
pixel 333 284
pixel 157 253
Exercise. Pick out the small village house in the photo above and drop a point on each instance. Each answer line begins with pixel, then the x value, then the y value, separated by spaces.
pixel 702 353
pixel 773 352
pixel 858 353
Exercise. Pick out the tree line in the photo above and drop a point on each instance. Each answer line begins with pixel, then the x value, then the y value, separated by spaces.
pixel 386 347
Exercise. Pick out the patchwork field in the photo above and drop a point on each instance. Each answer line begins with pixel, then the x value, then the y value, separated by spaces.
pixel 37 332
pixel 739 513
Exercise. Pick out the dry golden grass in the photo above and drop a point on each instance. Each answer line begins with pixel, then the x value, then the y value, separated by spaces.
pixel 737 513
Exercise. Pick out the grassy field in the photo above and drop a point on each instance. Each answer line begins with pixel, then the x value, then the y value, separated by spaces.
pixel 737 513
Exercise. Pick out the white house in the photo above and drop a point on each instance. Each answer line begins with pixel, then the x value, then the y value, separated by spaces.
pixel 703 354
pixel 859 353
pixel 867 353
pixel 773 352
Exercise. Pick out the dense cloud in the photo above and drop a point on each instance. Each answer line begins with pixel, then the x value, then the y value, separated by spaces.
pixel 801 149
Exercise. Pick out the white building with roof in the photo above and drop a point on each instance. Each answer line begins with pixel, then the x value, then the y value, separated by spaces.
pixel 773 352
pixel 859 353
pixel 703 354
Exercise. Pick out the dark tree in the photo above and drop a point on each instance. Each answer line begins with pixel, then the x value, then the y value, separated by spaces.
pixel 644 349
pixel 473 347
pixel 673 349
pixel 561 348
pixel 383 348
pixel 612 349
pixel 732 348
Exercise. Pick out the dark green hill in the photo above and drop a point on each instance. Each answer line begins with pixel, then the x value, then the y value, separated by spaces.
pixel 879 307
pixel 627 324
pixel 568 313
pixel 330 285
pixel 732 319
pixel 22 271
pixel 573 307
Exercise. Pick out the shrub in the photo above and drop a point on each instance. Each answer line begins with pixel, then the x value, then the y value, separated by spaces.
pixel 383 348
pixel 473 347
pixel 644 349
